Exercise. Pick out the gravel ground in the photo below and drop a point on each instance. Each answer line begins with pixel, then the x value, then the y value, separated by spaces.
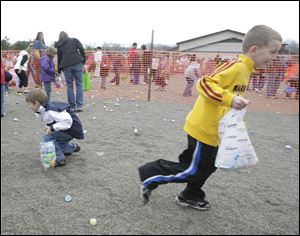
pixel 103 179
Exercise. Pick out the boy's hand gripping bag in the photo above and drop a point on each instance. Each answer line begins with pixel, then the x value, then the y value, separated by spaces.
pixel 48 154
pixel 235 149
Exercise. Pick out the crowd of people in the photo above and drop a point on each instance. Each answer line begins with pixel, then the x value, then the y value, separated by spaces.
pixel 69 60
pixel 45 64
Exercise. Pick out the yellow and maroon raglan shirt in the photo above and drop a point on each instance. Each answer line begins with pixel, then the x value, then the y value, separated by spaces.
pixel 217 91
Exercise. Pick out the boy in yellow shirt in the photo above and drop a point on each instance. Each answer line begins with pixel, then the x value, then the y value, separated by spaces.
pixel 219 91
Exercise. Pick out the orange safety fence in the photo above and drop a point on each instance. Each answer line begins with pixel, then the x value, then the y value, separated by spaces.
pixel 168 69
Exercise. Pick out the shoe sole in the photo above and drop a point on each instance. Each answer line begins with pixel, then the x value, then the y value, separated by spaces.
pixel 144 200
pixel 188 205
pixel 78 149
pixel 60 164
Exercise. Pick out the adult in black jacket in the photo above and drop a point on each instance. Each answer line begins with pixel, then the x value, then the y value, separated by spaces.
pixel 71 58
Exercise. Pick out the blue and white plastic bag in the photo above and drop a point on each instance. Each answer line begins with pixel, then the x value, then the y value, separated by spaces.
pixel 47 154
pixel 235 150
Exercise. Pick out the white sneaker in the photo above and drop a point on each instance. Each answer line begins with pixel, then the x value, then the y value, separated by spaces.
pixel 145 194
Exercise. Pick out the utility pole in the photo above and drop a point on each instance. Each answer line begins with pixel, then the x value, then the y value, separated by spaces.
pixel 149 68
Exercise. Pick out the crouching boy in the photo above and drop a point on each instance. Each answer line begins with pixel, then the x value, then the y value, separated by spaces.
pixel 62 124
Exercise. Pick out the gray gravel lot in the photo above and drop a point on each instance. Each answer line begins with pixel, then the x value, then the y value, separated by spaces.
pixel 260 200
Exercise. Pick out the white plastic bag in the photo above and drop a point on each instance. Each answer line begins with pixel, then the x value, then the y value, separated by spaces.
pixel 48 154
pixel 235 149
pixel 59 81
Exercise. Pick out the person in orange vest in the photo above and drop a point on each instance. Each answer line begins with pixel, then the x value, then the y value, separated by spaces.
pixel 292 80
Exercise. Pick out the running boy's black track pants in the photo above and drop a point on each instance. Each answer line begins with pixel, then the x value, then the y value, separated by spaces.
pixel 196 164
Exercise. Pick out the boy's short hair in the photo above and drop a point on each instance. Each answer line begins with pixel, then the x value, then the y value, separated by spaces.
pixel 134 44
pixel 260 36
pixel 37 94
pixel 51 51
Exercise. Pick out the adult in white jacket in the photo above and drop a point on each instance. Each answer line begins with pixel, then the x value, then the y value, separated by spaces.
pixel 21 67
pixel 98 60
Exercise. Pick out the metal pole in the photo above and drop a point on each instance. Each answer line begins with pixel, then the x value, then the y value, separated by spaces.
pixel 149 68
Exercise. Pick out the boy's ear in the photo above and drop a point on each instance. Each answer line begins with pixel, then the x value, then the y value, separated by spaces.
pixel 253 49
pixel 35 102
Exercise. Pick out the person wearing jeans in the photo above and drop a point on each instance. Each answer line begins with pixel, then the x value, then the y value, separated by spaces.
pixel 74 73
pixel 62 124
pixel 47 70
pixel 71 58
pixel 2 99
pixel 62 144
pixel 2 89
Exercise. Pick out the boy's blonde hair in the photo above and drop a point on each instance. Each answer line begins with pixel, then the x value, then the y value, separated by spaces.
pixel 51 51
pixel 37 94
pixel 260 36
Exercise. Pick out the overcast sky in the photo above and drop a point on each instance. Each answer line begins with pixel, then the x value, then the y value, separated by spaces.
pixel 126 22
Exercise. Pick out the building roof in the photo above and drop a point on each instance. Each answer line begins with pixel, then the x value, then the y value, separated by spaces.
pixel 219 32
pixel 232 39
